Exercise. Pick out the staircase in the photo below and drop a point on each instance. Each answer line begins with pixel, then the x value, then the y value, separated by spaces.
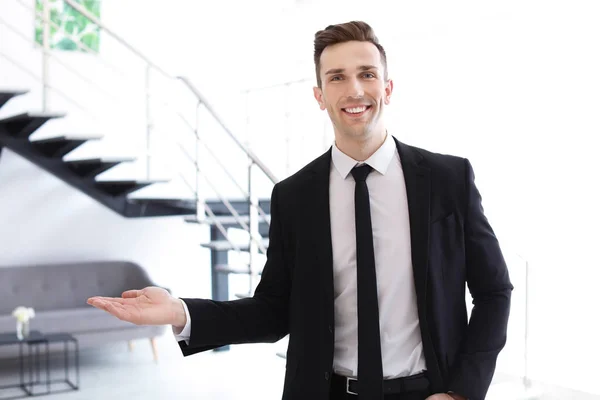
pixel 51 154
pixel 81 174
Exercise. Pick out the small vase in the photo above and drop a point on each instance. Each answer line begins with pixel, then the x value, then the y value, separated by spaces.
pixel 22 330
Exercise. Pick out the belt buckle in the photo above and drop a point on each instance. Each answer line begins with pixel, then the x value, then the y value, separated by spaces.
pixel 348 380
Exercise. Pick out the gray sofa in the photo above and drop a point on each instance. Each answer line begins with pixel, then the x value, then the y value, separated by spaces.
pixel 58 294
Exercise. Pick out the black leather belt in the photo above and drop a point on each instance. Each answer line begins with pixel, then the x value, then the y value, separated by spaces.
pixel 413 383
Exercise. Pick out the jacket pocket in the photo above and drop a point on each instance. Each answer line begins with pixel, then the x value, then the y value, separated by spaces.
pixel 442 217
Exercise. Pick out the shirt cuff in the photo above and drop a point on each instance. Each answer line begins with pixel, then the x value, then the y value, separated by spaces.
pixel 187 329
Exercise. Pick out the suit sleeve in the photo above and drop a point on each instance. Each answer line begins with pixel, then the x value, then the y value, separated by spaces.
pixel 490 287
pixel 262 318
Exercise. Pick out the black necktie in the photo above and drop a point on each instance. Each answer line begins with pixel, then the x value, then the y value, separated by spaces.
pixel 370 369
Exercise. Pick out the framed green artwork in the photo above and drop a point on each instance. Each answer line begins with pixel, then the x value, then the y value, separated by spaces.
pixel 68 27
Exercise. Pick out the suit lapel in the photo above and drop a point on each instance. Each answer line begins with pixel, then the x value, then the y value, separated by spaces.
pixel 318 195
pixel 418 191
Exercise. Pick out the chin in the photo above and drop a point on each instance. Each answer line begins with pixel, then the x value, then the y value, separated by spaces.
pixel 356 133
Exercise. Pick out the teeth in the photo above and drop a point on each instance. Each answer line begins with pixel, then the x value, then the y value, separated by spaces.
pixel 355 110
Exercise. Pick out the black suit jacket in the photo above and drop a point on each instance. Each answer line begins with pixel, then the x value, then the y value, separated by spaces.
pixel 452 245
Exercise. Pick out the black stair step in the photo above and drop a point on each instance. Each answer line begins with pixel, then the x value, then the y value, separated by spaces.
pixel 239 270
pixel 6 95
pixel 224 245
pixel 240 206
pixel 154 207
pixel 160 207
pixel 23 125
pixel 189 204
pixel 89 168
pixel 229 221
pixel 60 146
pixel 122 188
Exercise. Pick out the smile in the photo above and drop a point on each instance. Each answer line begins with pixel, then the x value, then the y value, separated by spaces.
pixel 356 111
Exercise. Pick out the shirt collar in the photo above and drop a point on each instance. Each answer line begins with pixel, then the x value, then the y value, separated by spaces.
pixel 379 161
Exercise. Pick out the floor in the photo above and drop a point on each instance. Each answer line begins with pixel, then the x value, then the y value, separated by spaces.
pixel 116 372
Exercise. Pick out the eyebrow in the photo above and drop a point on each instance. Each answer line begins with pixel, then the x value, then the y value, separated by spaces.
pixel 340 70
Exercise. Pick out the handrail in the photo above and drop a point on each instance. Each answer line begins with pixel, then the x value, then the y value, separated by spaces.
pixel 201 100
pixel 244 148
pixel 187 83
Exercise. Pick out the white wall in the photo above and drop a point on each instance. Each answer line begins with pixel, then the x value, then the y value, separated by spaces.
pixel 511 85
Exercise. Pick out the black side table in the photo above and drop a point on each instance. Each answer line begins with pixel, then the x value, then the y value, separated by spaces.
pixel 67 339
pixel 34 342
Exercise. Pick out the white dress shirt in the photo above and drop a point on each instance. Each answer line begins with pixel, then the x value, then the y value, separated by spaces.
pixel 401 345
pixel 187 329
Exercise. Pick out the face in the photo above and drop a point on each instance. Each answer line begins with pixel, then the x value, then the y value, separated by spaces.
pixel 353 89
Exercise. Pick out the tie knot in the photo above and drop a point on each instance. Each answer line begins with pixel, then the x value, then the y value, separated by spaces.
pixel 360 173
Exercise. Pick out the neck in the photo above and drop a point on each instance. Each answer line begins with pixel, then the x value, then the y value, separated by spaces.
pixel 360 149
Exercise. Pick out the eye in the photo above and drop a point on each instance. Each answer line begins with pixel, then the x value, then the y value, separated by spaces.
pixel 336 78
pixel 369 75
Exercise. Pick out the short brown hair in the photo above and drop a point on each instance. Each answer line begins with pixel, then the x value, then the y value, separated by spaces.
pixel 346 32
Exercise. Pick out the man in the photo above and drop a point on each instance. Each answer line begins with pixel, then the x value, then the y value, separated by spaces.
pixel 371 245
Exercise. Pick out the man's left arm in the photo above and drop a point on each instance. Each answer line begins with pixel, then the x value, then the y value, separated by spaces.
pixel 489 284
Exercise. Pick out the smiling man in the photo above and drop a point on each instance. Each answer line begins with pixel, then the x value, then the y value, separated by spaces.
pixel 427 236
pixel 371 246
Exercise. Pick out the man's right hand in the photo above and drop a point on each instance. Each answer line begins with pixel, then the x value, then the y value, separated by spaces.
pixel 149 306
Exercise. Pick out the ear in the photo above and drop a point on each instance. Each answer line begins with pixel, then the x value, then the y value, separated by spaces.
pixel 318 93
pixel 389 88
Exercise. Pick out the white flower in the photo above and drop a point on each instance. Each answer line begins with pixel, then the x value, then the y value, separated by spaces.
pixel 23 314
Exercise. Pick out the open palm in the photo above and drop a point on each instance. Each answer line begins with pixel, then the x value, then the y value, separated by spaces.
pixel 148 306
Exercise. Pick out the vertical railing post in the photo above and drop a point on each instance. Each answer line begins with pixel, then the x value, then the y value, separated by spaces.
pixel 253 225
pixel 148 120
pixel 219 280
pixel 45 53
pixel 200 212
pixel 253 215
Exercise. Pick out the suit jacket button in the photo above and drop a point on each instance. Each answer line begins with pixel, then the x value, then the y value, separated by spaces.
pixel 330 329
pixel 326 376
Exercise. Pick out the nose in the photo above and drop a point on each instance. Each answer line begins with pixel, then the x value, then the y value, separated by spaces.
pixel 355 89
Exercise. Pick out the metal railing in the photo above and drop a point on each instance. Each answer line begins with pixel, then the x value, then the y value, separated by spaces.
pixel 256 213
